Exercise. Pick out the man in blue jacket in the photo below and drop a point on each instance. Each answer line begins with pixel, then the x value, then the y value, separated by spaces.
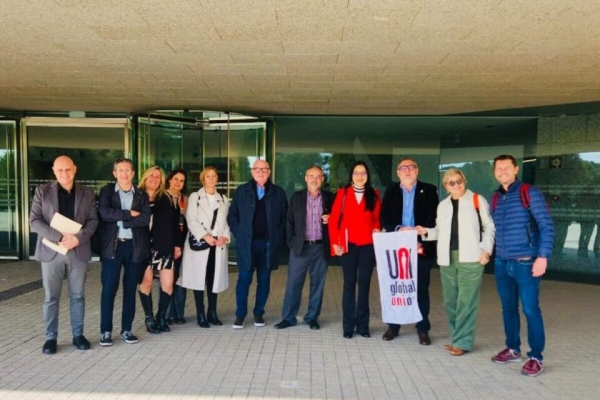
pixel 524 239
pixel 257 220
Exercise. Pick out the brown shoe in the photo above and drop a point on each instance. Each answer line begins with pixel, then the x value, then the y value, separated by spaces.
pixel 448 347
pixel 457 352
pixel 424 339
pixel 390 334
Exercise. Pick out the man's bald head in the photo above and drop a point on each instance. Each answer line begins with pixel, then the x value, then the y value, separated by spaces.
pixel 64 169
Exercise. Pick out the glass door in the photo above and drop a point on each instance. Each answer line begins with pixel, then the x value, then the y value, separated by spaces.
pixel 229 143
pixel 9 229
pixel 93 144
pixel 189 143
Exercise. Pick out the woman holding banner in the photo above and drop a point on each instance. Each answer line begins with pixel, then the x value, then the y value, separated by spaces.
pixel 353 219
pixel 465 239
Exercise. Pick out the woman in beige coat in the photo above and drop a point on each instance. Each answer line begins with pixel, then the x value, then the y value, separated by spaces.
pixel 206 269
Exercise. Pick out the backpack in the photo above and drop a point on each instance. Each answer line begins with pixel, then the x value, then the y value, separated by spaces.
pixel 523 193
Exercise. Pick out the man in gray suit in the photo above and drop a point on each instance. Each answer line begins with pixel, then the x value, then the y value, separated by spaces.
pixel 77 203
pixel 308 240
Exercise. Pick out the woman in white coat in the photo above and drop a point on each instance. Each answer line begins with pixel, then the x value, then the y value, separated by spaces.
pixel 465 239
pixel 206 270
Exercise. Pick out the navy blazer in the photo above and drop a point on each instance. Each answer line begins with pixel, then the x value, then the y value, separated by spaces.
pixel 241 217
pixel 45 205
pixel 296 221
pixel 425 210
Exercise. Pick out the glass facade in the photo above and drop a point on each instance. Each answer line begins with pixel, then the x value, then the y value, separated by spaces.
pixel 569 181
pixel 560 155
pixel 92 144
pixel 9 238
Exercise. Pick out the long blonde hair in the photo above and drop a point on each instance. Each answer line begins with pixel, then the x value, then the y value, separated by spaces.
pixel 161 188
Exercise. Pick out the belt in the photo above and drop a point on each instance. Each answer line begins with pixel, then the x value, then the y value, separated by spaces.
pixel 313 241
pixel 124 239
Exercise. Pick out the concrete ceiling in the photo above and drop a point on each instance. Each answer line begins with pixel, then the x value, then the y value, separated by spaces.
pixel 370 57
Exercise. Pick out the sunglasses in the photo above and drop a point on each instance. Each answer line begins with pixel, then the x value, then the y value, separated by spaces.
pixel 456 182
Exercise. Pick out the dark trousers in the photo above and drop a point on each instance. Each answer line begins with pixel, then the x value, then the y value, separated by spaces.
pixel 111 272
pixel 424 266
pixel 357 267
pixel 311 259
pixel 263 279
pixel 208 286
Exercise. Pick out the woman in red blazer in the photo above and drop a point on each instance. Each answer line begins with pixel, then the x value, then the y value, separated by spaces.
pixel 353 219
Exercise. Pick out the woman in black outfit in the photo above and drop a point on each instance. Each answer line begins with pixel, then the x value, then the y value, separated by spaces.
pixel 166 243
pixel 176 190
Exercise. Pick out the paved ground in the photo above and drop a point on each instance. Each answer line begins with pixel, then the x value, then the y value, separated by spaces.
pixel 297 363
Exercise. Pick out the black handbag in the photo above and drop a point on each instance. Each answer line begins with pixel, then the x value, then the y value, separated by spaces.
pixel 199 245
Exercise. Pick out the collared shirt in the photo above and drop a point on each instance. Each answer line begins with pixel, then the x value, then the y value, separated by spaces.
pixel 260 191
pixel 314 212
pixel 408 206
pixel 66 202
pixel 126 202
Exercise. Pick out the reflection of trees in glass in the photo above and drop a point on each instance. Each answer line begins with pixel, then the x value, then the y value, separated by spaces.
pixel 480 177
pixel 379 167
pixel 92 165
pixel 291 168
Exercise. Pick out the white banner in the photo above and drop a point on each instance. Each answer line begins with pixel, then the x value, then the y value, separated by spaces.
pixel 396 254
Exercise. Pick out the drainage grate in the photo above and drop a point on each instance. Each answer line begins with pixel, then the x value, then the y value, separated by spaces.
pixel 19 290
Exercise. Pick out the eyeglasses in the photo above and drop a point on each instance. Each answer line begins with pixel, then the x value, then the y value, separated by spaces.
pixel 405 168
pixel 456 182
pixel 359 173
pixel 265 170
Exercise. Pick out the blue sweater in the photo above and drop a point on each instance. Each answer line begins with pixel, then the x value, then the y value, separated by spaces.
pixel 515 235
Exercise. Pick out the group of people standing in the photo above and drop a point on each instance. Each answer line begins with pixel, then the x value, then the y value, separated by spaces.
pixel 154 230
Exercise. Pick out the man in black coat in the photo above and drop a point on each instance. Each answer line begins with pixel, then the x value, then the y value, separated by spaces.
pixel 405 205
pixel 308 240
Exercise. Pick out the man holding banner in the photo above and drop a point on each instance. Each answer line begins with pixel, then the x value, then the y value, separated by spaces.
pixel 405 205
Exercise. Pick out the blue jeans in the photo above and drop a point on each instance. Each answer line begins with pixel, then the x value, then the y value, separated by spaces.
pixel 111 272
pixel 514 280
pixel 263 281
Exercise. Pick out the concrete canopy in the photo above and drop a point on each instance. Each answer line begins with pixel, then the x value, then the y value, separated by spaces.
pixel 366 57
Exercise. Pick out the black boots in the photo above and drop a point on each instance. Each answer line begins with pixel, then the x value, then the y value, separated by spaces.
pixel 213 318
pixel 199 300
pixel 146 300
pixel 203 319
pixel 161 315
pixel 212 309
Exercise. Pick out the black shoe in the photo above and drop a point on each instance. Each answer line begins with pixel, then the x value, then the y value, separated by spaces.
pixel 259 320
pixel 424 339
pixel 365 334
pixel 238 323
pixel 282 325
pixel 169 321
pixel 178 321
pixel 314 325
pixel 202 322
pixel 129 337
pixel 348 335
pixel 81 343
pixel 390 334
pixel 212 318
pixel 50 347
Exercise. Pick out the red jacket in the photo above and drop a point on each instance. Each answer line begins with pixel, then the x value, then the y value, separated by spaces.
pixel 357 222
